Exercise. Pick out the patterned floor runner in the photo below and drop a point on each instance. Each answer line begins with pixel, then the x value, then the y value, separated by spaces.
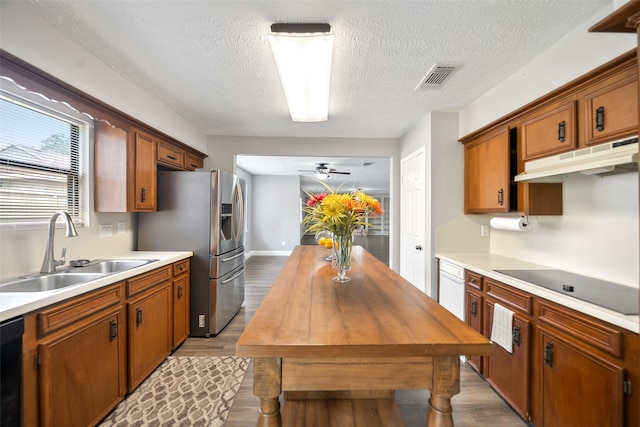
pixel 183 391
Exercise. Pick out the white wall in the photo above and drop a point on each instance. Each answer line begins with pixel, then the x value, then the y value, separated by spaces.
pixel 598 233
pixel 276 213
pixel 32 39
pixel 224 149
pixel 447 229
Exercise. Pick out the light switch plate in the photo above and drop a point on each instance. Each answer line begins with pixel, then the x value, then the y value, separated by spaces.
pixel 484 230
pixel 121 227
pixel 106 230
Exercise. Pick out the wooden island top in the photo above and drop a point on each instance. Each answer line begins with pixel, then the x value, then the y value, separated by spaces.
pixel 376 332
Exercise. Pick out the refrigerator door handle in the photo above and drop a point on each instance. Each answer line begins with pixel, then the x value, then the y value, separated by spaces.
pixel 235 276
pixel 233 257
pixel 238 217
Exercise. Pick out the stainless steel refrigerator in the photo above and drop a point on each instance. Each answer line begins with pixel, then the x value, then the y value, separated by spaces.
pixel 203 212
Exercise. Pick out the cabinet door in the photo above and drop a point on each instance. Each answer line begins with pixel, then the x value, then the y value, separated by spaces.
pixel 550 130
pixel 83 372
pixel 144 195
pixel 150 332
pixel 170 155
pixel 180 309
pixel 508 373
pixel 577 387
pixel 192 162
pixel 611 108
pixel 474 319
pixel 486 167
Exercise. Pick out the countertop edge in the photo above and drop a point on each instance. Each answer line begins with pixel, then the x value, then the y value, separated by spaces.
pixel 485 263
pixel 16 304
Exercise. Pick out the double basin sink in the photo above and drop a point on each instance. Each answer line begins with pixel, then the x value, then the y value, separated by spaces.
pixel 71 276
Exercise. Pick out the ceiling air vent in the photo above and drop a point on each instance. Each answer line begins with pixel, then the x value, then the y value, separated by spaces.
pixel 436 77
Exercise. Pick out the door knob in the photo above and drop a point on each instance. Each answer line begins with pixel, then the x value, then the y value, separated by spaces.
pixel 419 248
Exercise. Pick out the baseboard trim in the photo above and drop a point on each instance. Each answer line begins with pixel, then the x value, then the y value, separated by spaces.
pixel 267 253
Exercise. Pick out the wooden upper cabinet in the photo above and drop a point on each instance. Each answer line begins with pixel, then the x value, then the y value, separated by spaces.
pixel 124 170
pixel 610 107
pixel 550 130
pixel 144 170
pixel 192 162
pixel 170 155
pixel 486 167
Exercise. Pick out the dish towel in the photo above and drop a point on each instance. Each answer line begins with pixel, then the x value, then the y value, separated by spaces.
pixel 501 330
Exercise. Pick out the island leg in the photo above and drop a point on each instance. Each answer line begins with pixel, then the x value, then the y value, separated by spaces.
pixel 267 385
pixel 446 383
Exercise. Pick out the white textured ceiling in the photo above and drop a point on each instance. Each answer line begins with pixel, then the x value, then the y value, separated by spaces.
pixel 211 62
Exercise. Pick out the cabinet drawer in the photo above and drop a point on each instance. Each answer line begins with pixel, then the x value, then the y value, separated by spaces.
pixel 582 327
pixel 549 131
pixel 474 280
pixel 170 155
pixel 181 267
pixel 192 162
pixel 145 281
pixel 511 297
pixel 66 313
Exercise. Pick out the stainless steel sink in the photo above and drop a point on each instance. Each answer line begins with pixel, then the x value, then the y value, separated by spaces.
pixel 110 266
pixel 49 282
pixel 71 276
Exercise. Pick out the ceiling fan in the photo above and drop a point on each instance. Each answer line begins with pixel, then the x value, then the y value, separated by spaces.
pixel 322 171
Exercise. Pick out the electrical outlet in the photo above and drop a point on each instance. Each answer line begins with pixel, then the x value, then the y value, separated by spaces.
pixel 121 227
pixel 106 230
pixel 484 230
pixel 201 320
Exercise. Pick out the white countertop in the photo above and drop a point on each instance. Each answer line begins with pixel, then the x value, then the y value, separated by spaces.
pixel 14 304
pixel 485 263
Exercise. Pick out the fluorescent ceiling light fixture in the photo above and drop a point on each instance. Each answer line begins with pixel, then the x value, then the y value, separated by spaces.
pixel 303 57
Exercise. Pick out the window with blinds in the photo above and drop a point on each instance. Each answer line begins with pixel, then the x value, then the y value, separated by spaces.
pixel 40 163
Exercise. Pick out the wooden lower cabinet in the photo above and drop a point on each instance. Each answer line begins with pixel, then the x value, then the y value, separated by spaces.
pixel 150 328
pixel 578 388
pixel 180 310
pixel 75 389
pixel 81 356
pixel 508 373
pixel 569 369
pixel 474 310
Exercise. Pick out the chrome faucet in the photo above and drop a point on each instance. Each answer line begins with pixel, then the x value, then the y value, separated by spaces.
pixel 50 262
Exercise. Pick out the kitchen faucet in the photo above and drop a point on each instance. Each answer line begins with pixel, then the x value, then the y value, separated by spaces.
pixel 50 262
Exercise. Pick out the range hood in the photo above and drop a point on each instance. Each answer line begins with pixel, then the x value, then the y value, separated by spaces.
pixel 604 159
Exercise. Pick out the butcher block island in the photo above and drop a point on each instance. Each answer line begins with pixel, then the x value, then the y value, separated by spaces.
pixel 339 350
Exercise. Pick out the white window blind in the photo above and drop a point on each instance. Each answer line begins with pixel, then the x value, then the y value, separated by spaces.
pixel 40 163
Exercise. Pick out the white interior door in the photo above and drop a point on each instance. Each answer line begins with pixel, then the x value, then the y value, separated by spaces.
pixel 412 219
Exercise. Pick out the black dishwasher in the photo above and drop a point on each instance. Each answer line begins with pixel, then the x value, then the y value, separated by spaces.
pixel 10 371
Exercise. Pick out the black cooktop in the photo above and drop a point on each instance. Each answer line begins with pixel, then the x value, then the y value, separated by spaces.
pixel 623 299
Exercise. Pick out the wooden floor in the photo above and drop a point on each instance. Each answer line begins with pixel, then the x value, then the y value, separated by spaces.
pixel 476 405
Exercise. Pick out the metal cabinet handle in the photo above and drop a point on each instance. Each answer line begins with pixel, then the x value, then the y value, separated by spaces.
pixel 474 308
pixel 501 197
pixel 172 157
pixel 138 316
pixel 143 194
pixel 562 131
pixel 600 119
pixel 548 354
pixel 179 292
pixel 515 335
pixel 113 330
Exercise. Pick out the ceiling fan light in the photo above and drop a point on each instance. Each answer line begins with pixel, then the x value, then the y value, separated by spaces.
pixel 322 175
pixel 303 56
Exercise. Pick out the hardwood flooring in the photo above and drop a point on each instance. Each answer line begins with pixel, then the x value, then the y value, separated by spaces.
pixel 476 405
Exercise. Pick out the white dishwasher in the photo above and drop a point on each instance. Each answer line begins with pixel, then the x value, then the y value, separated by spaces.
pixel 451 296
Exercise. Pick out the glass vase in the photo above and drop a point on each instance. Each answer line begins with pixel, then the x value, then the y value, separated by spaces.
pixel 342 245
